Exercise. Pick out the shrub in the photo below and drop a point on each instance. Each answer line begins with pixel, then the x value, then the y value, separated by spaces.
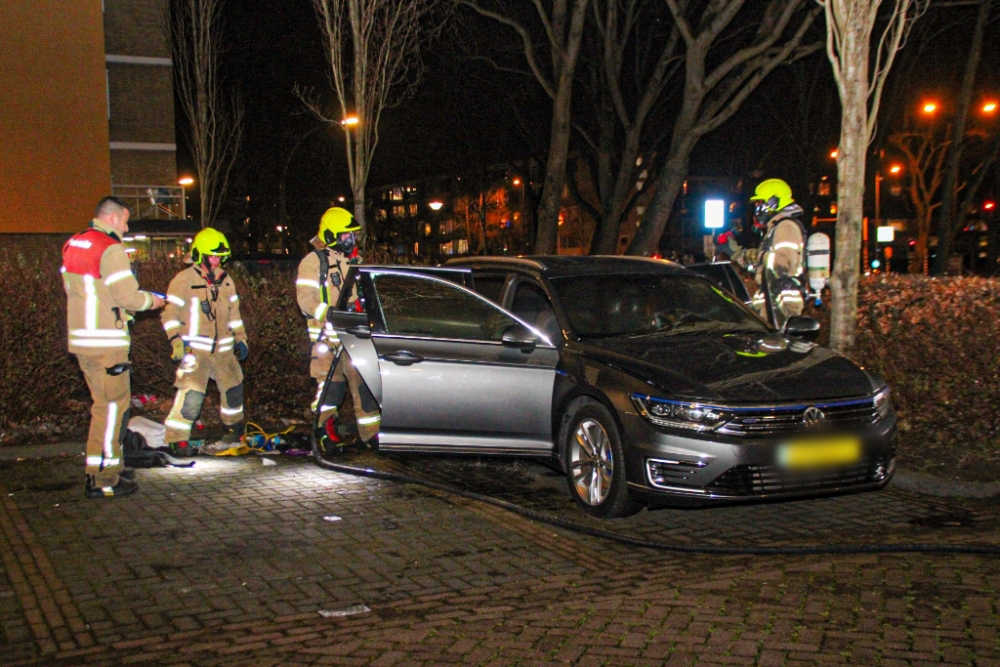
pixel 934 341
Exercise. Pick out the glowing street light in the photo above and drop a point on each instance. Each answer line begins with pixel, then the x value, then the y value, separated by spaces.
pixel 834 153
pixel 989 206
pixel 185 180
pixel 929 107
pixel 350 120
pixel 989 107
pixel 516 182
pixel 436 205
pixel 895 169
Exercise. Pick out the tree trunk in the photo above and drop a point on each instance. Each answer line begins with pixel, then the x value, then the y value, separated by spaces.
pixel 850 192
pixel 606 243
pixel 668 186
pixel 359 206
pixel 947 213
pixel 555 170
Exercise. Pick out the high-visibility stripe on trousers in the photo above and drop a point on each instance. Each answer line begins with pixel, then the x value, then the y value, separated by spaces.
pixel 366 409
pixel 108 379
pixel 191 382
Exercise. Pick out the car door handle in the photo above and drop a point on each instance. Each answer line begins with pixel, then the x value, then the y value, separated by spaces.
pixel 361 331
pixel 403 358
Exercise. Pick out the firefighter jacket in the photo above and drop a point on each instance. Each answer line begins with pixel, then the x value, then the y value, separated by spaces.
pixel 204 312
pixel 783 249
pixel 100 291
pixel 317 291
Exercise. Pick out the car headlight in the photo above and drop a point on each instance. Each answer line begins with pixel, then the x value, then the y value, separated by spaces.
pixel 679 414
pixel 882 404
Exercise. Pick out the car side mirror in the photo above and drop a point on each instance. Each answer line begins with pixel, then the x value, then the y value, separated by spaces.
pixel 801 326
pixel 519 336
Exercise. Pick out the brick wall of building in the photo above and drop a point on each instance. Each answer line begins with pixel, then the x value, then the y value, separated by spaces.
pixel 142 103
pixel 141 94
pixel 136 27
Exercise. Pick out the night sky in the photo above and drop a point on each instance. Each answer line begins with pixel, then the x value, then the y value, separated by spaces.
pixel 465 113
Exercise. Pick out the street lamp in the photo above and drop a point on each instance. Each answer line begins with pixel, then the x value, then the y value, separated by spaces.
pixel 350 120
pixel 929 108
pixel 435 205
pixel 989 107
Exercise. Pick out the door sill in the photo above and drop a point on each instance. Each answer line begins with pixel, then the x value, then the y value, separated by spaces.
pixel 433 443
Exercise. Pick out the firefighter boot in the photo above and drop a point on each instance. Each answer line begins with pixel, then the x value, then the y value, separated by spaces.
pixel 124 487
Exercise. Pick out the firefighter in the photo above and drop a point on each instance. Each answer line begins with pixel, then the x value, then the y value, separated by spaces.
pixel 320 279
pixel 207 339
pixel 779 264
pixel 101 292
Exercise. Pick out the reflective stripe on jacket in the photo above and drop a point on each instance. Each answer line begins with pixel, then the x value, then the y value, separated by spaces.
pixel 101 291
pixel 218 329
pixel 310 294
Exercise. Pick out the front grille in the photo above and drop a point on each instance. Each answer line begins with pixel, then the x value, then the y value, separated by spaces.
pixel 780 420
pixel 751 480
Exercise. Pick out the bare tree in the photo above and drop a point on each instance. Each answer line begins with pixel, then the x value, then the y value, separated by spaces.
pixel 849 28
pixel 946 214
pixel 628 69
pixel 924 152
pixel 718 77
pixel 373 48
pixel 562 22
pixel 215 120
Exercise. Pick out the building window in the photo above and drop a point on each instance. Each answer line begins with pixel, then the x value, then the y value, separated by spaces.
pixel 446 227
pixel 427 229
pixel 381 214
pixel 448 248
pixel 823 190
pixel 397 194
pixel 413 210
pixel 399 212
pixel 463 247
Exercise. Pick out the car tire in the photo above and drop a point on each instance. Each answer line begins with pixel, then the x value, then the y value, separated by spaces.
pixel 594 461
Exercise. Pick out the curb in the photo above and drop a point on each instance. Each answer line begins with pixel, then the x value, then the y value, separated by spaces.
pixel 923 483
pixel 903 480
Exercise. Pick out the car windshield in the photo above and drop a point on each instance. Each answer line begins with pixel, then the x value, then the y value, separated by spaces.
pixel 650 304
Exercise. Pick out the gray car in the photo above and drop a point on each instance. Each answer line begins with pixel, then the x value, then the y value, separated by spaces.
pixel 644 381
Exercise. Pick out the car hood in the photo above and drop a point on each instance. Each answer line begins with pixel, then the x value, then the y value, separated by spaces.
pixel 735 368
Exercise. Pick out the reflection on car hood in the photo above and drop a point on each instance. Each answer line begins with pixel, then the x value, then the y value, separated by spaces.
pixel 736 368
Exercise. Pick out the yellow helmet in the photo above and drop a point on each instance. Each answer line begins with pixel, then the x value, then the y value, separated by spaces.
pixel 209 242
pixel 334 222
pixel 774 193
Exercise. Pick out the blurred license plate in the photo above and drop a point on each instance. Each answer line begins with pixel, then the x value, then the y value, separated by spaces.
pixel 819 453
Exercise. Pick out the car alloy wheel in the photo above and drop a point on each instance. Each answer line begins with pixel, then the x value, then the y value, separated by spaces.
pixel 594 461
pixel 591 462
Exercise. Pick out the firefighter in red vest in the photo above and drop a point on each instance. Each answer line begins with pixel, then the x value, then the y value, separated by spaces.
pixel 101 294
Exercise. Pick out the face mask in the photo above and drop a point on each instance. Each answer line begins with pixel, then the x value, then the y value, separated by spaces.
pixel 346 243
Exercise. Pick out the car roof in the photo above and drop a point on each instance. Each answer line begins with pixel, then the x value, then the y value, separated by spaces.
pixel 571 265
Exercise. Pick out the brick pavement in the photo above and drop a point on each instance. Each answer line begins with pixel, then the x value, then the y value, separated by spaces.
pixel 230 563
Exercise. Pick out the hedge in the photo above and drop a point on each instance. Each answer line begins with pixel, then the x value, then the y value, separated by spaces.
pixel 934 340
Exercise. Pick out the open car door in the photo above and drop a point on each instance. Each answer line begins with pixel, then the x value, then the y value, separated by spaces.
pixel 451 370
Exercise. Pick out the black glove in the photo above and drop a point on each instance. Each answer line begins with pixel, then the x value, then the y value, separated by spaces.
pixel 241 351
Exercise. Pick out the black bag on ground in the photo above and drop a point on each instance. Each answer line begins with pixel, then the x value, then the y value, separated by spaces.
pixel 140 455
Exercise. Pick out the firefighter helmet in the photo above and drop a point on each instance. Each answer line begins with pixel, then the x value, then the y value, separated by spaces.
pixel 774 195
pixel 335 222
pixel 209 242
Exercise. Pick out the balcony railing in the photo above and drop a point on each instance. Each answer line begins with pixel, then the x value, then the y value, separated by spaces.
pixel 153 202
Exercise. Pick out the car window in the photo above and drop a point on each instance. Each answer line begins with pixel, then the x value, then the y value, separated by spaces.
pixel 616 305
pixel 429 308
pixel 532 305
pixel 490 285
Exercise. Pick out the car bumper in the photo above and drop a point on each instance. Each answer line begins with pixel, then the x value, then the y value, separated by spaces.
pixel 670 468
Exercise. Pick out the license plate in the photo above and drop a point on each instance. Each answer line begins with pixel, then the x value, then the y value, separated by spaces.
pixel 819 453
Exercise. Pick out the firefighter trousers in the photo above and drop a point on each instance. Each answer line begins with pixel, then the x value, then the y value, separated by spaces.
pixel 193 375
pixel 109 380
pixel 345 376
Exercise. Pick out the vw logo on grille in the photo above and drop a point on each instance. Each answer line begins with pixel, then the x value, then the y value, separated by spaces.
pixel 813 416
